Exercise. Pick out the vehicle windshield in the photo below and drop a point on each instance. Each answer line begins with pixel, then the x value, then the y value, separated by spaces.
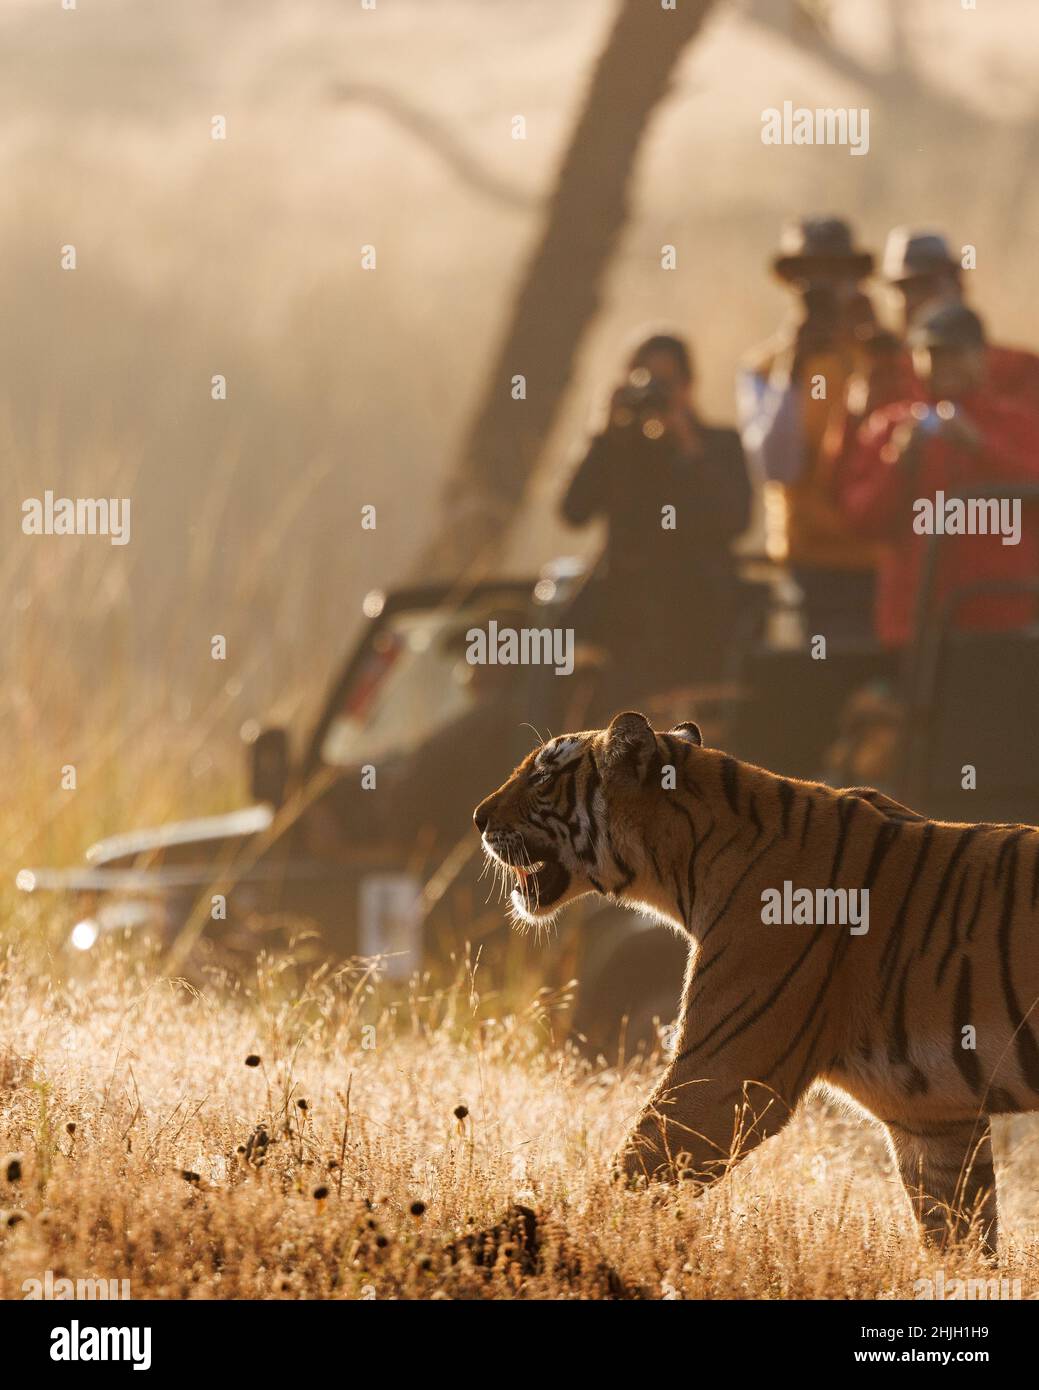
pixel 413 682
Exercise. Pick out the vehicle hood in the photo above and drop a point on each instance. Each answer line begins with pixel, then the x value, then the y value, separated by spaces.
pixel 181 842
pixel 181 854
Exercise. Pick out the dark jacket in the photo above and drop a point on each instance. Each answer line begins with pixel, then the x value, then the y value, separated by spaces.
pixel 628 481
pixel 663 601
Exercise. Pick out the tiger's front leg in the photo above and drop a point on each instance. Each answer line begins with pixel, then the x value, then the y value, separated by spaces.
pixel 703 1117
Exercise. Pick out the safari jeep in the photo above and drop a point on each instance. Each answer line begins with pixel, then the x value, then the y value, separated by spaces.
pixel 365 837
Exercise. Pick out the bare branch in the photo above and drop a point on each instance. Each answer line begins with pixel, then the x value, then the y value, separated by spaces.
pixel 437 136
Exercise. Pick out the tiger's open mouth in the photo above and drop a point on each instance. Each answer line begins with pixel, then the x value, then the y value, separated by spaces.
pixel 539 882
pixel 540 885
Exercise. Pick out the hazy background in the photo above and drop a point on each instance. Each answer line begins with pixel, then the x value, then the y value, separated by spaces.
pixel 242 257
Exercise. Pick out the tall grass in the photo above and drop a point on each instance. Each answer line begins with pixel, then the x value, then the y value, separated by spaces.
pixel 370 1148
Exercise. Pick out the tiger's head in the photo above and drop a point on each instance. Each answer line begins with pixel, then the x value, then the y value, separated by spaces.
pixel 571 818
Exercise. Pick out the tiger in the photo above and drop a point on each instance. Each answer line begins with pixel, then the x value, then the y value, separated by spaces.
pixel 926 1019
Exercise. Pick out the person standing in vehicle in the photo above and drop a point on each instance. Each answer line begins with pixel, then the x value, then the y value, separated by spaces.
pixel 674 494
pixel 920 268
pixel 792 397
pixel 957 432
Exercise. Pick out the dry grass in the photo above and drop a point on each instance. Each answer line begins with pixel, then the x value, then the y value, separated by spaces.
pixel 140 1128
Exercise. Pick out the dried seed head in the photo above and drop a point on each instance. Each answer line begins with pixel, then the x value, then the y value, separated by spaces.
pixel 303 1105
pixel 320 1193
pixel 13 1167
pixel 70 1128
pixel 461 1111
pixel 189 1176
pixel 252 1060
pixel 417 1209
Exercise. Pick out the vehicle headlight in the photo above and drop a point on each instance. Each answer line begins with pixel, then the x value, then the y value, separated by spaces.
pixel 119 914
pixel 84 934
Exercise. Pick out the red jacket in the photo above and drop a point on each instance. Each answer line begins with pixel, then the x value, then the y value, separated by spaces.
pixel 1009 372
pixel 878 495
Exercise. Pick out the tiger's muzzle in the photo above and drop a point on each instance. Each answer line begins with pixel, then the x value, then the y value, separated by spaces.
pixel 541 878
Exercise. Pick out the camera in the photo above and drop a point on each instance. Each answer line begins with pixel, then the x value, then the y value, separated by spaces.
pixel 642 401
pixel 930 418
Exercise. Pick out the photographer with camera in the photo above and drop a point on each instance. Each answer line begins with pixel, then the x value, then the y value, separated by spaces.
pixel 674 494
pixel 793 400
pixel 957 431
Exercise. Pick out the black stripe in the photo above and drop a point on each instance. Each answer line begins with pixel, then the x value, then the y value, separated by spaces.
pixel 896 932
pixel 710 1034
pixel 1024 1038
pixel 786 803
pixel 809 806
pixel 767 1004
pixel 675 805
pixel 962 842
pixel 1008 847
pixel 718 853
pixel 698 843
pixel 954 926
pixel 885 838
pixel 893 810
pixel 846 808
pixel 699 971
pixel 567 782
pixel 1002 1102
pixel 965 1058
pixel 654 768
pixel 736 887
pixel 626 871
pixel 591 787
pixel 730 783
pixel 810 1012
pixel 754 818
pixel 976 913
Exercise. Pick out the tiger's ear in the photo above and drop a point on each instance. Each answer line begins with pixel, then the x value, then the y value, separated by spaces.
pixel 630 743
pixel 688 731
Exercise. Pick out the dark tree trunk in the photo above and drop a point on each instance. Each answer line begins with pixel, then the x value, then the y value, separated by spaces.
pixel 559 292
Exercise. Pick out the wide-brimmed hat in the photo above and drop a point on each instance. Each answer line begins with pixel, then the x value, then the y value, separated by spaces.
pixel 909 254
pixel 950 325
pixel 816 245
